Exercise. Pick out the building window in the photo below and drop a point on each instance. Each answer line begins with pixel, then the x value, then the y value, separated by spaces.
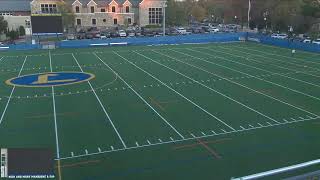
pixel 77 9
pixel 94 21
pixel 115 21
pixel 104 20
pixel 127 9
pixel 103 10
pixel 48 8
pixel 129 20
pixel 6 14
pixel 92 9
pixel 78 21
pixel 28 24
pixel 155 15
pixel 113 9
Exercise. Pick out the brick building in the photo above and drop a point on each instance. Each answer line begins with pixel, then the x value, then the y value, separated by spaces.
pixel 106 13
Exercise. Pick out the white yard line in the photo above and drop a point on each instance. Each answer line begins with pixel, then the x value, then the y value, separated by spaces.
pixel 102 106
pixel 204 110
pixel 5 108
pixel 300 59
pixel 279 74
pixel 276 84
pixel 183 140
pixel 164 84
pixel 272 59
pixel 54 112
pixel 196 67
pixel 130 87
pixel 252 77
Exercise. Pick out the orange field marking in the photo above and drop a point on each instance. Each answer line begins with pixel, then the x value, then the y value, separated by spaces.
pixel 197 144
pixel 59 170
pixel 78 164
pixel 157 103
pixel 168 102
pixel 50 115
pixel 212 152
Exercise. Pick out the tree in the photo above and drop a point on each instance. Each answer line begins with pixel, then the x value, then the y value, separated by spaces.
pixel 311 8
pixel 68 17
pixel 13 34
pixel 22 31
pixel 3 25
pixel 198 12
pixel 171 13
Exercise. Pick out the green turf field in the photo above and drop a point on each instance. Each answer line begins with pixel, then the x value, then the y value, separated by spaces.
pixel 210 111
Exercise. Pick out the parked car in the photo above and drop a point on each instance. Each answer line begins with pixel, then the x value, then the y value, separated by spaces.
pixel 317 41
pixel 1 44
pixel 206 28
pixel 131 33
pixel 214 30
pixel 114 34
pixel 279 36
pixel 182 30
pixel 97 35
pixel 89 36
pixel 71 37
pixel 173 31
pixel 307 40
pixel 81 34
pixel 138 33
pixel 105 35
pixel 122 33
pixel 195 30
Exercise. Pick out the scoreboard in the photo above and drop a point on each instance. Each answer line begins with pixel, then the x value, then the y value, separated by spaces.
pixel 27 163
pixel 43 24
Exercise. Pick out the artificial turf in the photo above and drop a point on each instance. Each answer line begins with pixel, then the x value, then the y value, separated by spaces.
pixel 210 111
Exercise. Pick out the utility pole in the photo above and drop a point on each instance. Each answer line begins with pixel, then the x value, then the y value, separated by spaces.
pixel 164 18
pixel 249 10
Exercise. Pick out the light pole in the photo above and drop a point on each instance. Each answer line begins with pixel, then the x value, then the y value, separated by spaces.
pixel 164 18
pixel 249 10
pixel 235 19
pixel 265 22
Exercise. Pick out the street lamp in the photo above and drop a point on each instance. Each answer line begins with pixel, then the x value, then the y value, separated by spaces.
pixel 164 18
pixel 265 21
pixel 235 19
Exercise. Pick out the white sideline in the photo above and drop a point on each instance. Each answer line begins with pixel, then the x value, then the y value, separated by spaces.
pixel 102 106
pixel 54 112
pixel 183 140
pixel 280 170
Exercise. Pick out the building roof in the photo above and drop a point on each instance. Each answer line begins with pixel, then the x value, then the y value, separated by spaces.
pixel 106 2
pixel 14 5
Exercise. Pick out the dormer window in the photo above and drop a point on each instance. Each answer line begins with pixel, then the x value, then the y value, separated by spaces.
pixel 127 9
pixel 103 10
pixel 48 8
pixel 92 9
pixel 77 9
pixel 113 9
